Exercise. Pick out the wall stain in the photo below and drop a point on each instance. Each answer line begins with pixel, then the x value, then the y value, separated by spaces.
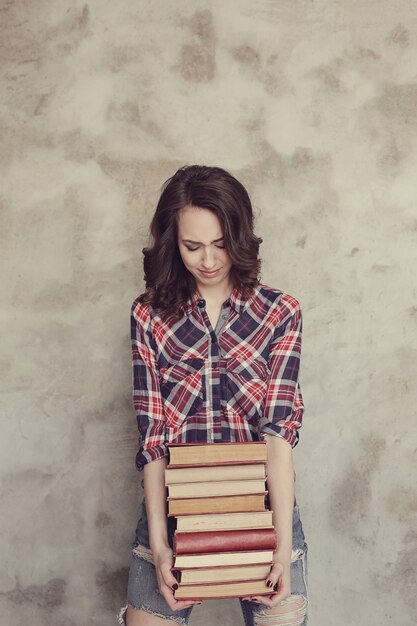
pixel 404 572
pixel 302 158
pixel 390 157
pixel 250 59
pixel 360 53
pixel 77 146
pixel 326 74
pixel 70 32
pixel 197 63
pixel 117 58
pixel 272 59
pixel 380 268
pixel 131 113
pixel 42 103
pixel 410 536
pixel 300 169
pixel 351 495
pixel 349 501
pixel 399 36
pixel 127 111
pixel 50 595
pixel 301 242
pixel 27 40
pixel 103 520
pixel 201 24
pixel 82 20
pixel 248 56
pixel 354 252
pixel 401 503
pixel 112 584
pixel 399 101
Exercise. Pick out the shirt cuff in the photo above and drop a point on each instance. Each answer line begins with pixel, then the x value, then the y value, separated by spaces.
pixel 150 454
pixel 285 432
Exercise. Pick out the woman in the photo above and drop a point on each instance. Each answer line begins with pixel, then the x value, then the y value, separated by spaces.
pixel 215 358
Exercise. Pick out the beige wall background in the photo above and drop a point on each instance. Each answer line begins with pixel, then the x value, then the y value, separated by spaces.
pixel 313 105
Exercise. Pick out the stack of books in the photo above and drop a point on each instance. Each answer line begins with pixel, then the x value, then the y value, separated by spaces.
pixel 224 539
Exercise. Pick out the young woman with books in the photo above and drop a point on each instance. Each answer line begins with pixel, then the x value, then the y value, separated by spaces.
pixel 215 361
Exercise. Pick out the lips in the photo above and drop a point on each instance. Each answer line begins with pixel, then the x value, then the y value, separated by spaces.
pixel 209 274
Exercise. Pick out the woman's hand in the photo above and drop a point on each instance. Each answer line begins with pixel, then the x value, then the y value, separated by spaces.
pixel 167 582
pixel 279 579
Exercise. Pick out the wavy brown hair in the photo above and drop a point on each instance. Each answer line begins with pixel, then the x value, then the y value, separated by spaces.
pixel 169 285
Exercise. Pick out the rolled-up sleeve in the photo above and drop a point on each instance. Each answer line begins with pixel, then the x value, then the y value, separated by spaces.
pixel 284 404
pixel 147 399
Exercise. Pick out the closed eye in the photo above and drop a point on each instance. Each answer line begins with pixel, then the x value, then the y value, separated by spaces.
pixel 192 246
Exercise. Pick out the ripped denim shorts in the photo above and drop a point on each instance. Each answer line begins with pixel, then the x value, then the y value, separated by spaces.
pixel 143 593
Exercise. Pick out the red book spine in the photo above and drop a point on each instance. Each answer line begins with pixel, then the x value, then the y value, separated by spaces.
pixel 225 541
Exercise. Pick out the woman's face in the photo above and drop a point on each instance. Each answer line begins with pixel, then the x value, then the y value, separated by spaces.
pixel 201 245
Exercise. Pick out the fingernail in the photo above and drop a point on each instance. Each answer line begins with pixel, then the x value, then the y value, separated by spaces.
pixel 174 586
pixel 276 587
pixel 269 583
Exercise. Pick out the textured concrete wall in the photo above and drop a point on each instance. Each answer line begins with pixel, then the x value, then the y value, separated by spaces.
pixel 313 105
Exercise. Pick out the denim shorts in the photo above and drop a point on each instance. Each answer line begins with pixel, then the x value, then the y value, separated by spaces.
pixel 143 593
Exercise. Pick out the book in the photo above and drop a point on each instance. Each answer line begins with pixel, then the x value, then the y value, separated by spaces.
pixel 177 475
pixel 216 453
pixel 224 521
pixel 216 488
pixel 223 574
pixel 190 561
pixel 222 590
pixel 224 541
pixel 220 504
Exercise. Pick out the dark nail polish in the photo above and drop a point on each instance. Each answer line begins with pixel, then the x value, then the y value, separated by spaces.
pixel 276 587
pixel 174 586
pixel 269 583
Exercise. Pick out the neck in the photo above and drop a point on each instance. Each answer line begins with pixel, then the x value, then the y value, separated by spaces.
pixel 219 293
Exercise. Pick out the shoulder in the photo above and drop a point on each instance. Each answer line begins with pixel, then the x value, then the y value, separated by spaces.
pixel 141 312
pixel 273 298
pixel 147 318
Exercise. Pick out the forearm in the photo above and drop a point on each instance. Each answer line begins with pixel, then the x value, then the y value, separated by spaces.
pixel 280 482
pixel 155 498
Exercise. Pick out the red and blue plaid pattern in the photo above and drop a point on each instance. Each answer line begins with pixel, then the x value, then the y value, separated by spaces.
pixel 191 386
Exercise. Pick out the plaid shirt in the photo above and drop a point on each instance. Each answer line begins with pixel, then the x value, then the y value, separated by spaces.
pixel 190 385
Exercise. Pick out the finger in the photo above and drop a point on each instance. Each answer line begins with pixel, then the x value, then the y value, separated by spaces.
pixel 168 577
pixel 264 600
pixel 274 575
pixel 185 604
pixel 176 605
pixel 257 599
pixel 282 590
pixel 261 599
pixel 274 599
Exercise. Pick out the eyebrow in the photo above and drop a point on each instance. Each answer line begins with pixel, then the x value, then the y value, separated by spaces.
pixel 199 242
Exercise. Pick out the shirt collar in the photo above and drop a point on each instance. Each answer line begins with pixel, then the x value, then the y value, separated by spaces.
pixel 236 301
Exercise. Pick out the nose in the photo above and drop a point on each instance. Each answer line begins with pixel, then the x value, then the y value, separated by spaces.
pixel 208 259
